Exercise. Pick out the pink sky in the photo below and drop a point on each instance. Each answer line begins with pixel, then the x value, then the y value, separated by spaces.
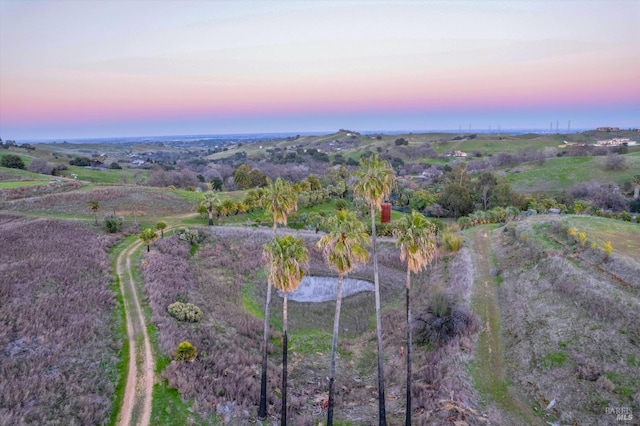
pixel 91 69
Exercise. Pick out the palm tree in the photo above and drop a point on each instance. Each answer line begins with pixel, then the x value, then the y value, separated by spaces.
pixel 148 236
pixel 94 205
pixel 209 201
pixel 374 181
pixel 285 258
pixel 279 199
pixel 343 247
pixel 416 239
pixel 161 226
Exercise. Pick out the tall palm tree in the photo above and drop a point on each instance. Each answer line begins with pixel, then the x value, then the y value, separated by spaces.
pixel 209 201
pixel 374 181
pixel 94 205
pixel 285 258
pixel 416 239
pixel 343 247
pixel 279 199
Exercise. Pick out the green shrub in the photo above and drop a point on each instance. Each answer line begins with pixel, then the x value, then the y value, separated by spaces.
pixel 192 236
pixel 185 352
pixel 113 223
pixel 341 204
pixel 80 162
pixel 451 241
pixel 443 320
pixel 554 359
pixel 12 161
pixel 185 312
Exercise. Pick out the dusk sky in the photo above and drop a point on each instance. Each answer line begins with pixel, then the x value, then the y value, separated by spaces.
pixel 74 69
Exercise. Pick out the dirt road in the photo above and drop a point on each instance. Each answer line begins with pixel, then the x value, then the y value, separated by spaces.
pixel 136 406
pixel 491 378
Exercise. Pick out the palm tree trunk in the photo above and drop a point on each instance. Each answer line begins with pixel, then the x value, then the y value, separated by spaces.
pixel 382 420
pixel 334 351
pixel 636 192
pixel 285 343
pixel 409 342
pixel 210 218
pixel 95 215
pixel 262 409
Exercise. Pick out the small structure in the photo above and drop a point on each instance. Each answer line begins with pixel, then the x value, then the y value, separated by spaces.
pixel 385 213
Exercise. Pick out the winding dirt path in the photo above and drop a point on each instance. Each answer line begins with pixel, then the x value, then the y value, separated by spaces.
pixel 136 405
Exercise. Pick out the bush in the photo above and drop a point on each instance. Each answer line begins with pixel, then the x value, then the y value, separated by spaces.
pixel 451 241
pixel 443 320
pixel 115 166
pixel 12 161
pixel 38 165
pixel 80 161
pixel 185 312
pixel 615 162
pixel 113 223
pixel 185 352
pixel 341 204
pixel 192 236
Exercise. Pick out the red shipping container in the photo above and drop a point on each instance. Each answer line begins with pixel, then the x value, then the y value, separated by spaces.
pixel 385 213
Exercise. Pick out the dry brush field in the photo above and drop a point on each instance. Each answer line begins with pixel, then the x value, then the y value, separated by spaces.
pixel 58 334
pixel 572 321
pixel 224 278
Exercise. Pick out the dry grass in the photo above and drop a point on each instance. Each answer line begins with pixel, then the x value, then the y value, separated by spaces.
pixel 572 331
pixel 58 348
pixel 225 279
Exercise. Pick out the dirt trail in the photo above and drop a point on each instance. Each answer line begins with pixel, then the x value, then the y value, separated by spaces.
pixel 136 405
pixel 491 378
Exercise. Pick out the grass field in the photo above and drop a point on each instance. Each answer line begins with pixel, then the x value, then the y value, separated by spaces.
pixel 19 183
pixel 560 174
pixel 624 236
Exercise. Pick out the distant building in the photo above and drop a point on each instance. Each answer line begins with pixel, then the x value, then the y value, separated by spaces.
pixel 615 142
pixel 608 129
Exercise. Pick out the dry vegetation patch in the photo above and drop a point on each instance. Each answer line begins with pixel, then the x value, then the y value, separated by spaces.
pixel 58 348
pixel 225 279
pixel 124 200
pixel 572 333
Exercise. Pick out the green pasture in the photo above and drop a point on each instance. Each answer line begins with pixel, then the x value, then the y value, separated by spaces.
pixel 561 173
pixel 120 176
pixel 624 236
pixel 19 183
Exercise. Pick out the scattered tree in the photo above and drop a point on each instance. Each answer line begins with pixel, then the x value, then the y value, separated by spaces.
pixel 39 165
pixel 209 201
pixel 148 236
pixel 416 239
pixel 279 199
pixel 374 181
pixel 285 258
pixel 343 247
pixel 94 205
pixel 12 161
pixel 161 226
